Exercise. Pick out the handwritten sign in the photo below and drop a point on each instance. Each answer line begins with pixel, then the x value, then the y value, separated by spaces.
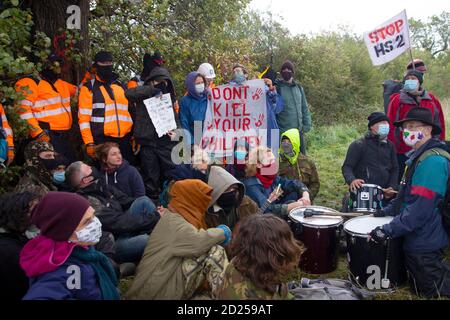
pixel 389 40
pixel 235 112
pixel 161 112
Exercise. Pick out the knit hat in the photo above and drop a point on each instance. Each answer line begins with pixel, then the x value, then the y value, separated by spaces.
pixel 287 64
pixel 376 117
pixel 415 73
pixel 103 56
pixel 418 64
pixel 58 214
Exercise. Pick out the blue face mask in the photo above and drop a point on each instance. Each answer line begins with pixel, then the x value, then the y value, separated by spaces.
pixel 239 78
pixel 240 155
pixel 383 130
pixel 59 177
pixel 411 85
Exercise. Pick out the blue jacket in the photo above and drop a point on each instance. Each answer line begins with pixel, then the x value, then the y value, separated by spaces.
pixel 53 285
pixel 192 106
pixel 419 220
pixel 127 179
pixel 256 191
pixel 274 106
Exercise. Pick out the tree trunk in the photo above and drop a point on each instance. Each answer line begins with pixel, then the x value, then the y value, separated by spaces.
pixel 50 17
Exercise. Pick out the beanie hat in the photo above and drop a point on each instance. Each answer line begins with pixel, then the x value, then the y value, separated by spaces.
pixel 415 73
pixel 103 56
pixel 419 65
pixel 287 64
pixel 376 117
pixel 58 214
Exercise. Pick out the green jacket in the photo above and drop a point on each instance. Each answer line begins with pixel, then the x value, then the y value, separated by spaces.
pixel 159 274
pixel 299 167
pixel 295 113
pixel 237 287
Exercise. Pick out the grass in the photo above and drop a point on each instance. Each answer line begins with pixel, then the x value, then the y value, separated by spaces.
pixel 327 146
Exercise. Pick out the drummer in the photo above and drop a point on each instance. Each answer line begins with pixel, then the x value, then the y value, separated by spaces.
pixel 262 179
pixel 416 209
pixel 372 158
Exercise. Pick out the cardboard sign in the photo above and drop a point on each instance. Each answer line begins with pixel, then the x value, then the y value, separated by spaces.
pixel 389 40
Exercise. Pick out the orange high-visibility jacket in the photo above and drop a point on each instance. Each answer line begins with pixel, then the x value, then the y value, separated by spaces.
pixel 100 114
pixel 43 105
pixel 135 82
pixel 5 125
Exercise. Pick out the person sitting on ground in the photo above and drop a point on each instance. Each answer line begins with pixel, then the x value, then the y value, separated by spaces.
pixel 264 252
pixel 229 204
pixel 118 172
pixel 182 254
pixel 262 179
pixel 41 169
pixel 294 165
pixel 14 222
pixel 130 220
pixel 62 263
pixel 372 159
pixel 240 157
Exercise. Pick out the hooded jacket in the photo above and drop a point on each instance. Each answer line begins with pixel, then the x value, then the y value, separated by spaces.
pixel 299 167
pixel 144 130
pixel 127 179
pixel 192 106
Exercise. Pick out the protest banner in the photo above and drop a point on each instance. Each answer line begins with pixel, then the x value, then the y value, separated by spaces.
pixel 389 40
pixel 161 112
pixel 235 112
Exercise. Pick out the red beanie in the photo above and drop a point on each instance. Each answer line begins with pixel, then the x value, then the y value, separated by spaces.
pixel 58 214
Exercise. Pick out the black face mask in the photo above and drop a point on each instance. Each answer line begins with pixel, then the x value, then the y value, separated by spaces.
pixel 287 75
pixel 50 164
pixel 162 86
pixel 49 75
pixel 227 201
pixel 105 72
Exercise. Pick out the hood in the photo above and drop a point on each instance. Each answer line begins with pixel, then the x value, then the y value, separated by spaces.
pixel 220 180
pixel 185 171
pixel 190 85
pixel 42 255
pixel 294 136
pixel 113 174
pixel 162 73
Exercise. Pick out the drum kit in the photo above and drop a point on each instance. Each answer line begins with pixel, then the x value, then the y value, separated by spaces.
pixel 375 266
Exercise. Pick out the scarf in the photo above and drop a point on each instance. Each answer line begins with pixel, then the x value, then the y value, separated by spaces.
pixel 266 180
pixel 104 271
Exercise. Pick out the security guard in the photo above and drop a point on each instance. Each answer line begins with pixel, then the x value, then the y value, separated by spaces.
pixel 6 136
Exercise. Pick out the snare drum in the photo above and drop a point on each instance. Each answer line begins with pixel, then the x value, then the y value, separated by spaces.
pixel 320 236
pixel 367 260
pixel 368 198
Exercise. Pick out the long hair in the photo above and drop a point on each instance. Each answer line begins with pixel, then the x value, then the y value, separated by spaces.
pixel 265 250
pixel 102 150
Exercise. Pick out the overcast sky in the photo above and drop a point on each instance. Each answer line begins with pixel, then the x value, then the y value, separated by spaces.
pixel 361 15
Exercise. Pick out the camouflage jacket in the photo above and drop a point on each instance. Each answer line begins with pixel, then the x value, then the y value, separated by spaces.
pixel 236 287
pixel 304 170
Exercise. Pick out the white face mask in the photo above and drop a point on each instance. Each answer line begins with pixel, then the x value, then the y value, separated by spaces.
pixel 91 233
pixel 200 88
pixel 412 137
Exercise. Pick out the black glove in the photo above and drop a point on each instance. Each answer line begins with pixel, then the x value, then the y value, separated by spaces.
pixel 378 235
pixel 379 213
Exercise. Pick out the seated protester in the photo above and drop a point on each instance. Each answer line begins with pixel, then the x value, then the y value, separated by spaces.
pixel 40 160
pixel 296 166
pixel 14 222
pixel 155 152
pixel 259 263
pixel 274 102
pixel 372 159
pixel 65 251
pixel 118 172
pixel 129 220
pixel 193 106
pixel 240 157
pixel 262 179
pixel 229 203
pixel 416 210
pixel 182 253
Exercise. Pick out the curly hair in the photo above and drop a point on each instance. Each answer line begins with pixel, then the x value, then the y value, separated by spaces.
pixel 265 250
pixel 14 210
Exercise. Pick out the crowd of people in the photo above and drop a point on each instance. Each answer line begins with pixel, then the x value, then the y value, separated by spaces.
pixel 82 217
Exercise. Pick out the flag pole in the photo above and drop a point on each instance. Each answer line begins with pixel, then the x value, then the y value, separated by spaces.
pixel 412 60
pixel 410 49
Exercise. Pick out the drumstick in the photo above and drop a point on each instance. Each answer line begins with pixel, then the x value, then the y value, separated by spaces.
pixel 332 212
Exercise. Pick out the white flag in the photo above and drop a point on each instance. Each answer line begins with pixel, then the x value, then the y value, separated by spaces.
pixel 389 40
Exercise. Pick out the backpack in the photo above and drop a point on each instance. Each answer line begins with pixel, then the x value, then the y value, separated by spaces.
pixel 444 204
pixel 389 88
